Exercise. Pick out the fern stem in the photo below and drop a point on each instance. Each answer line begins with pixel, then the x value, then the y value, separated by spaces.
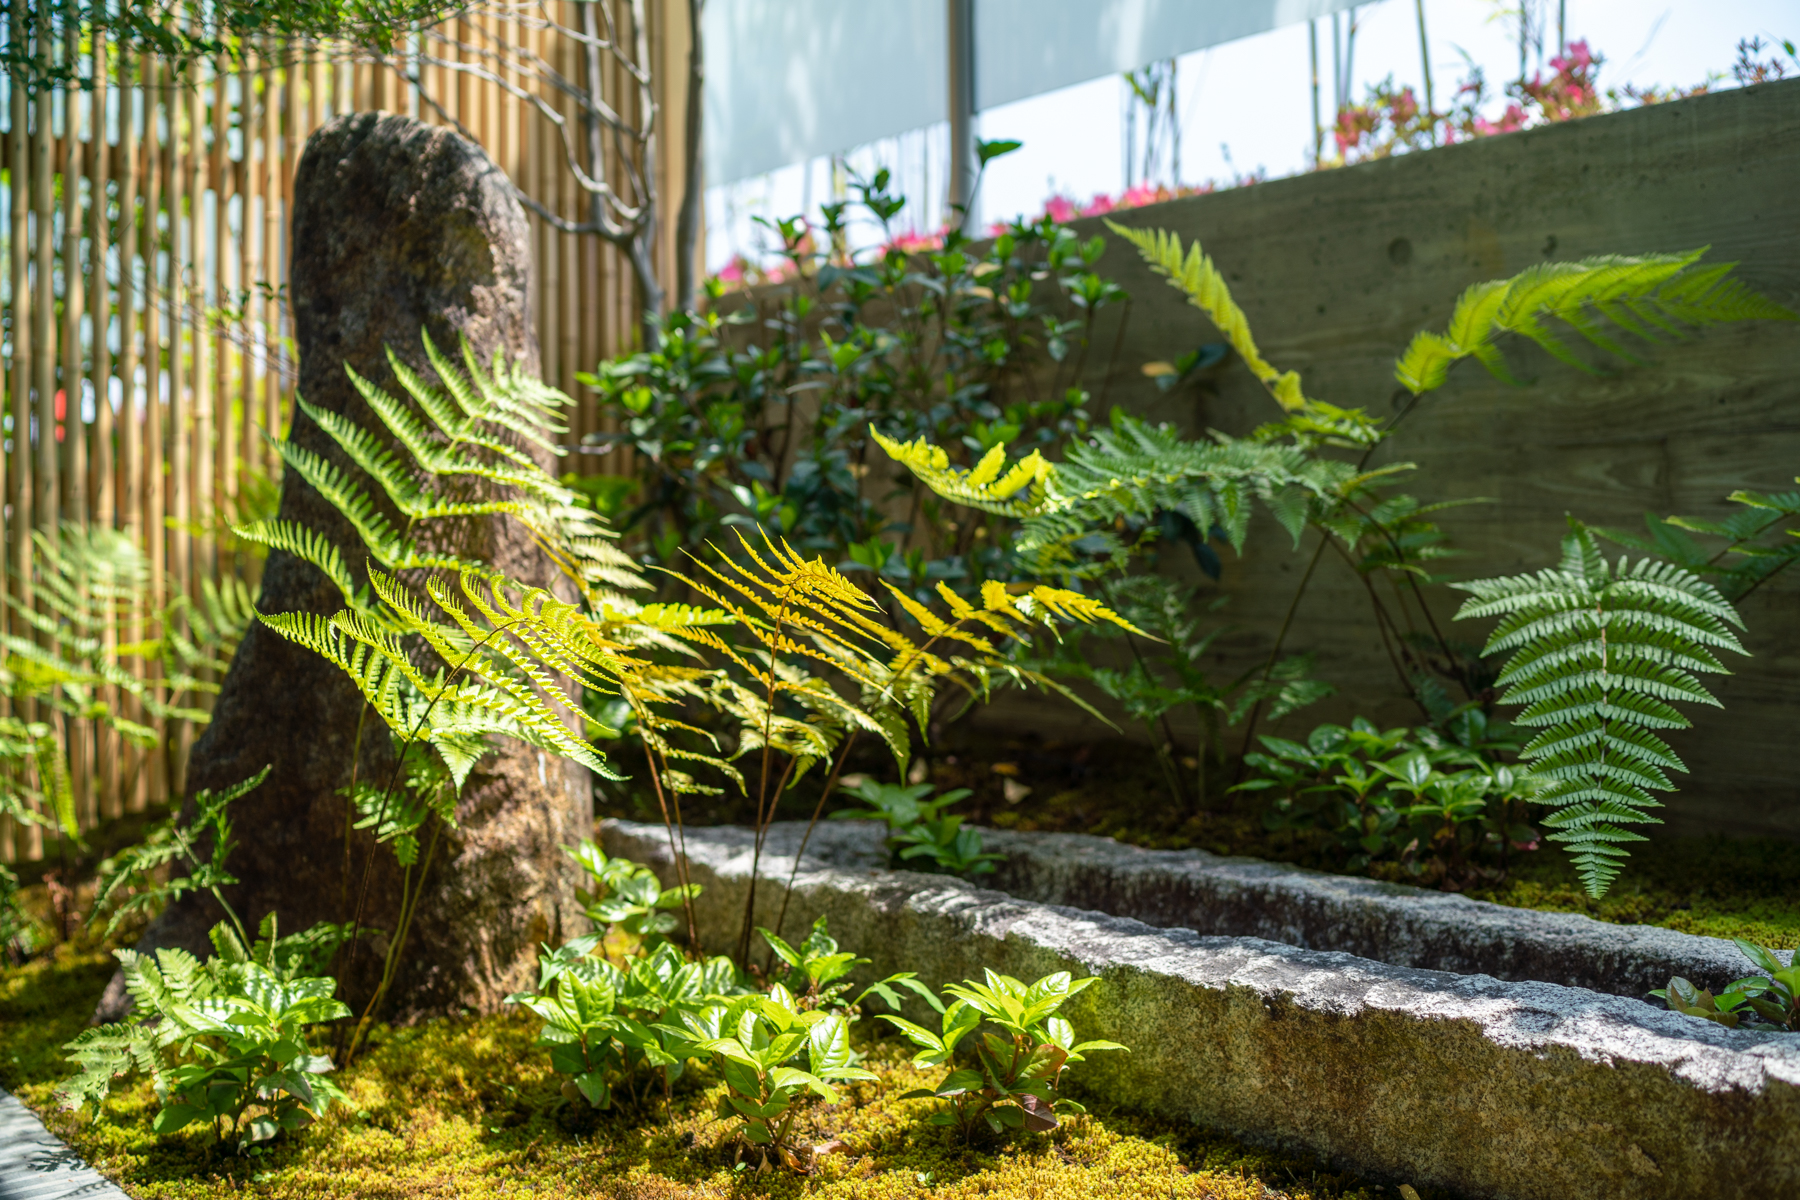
pixel 409 905
pixel 1169 768
pixel 830 784
pixel 1287 623
pixel 669 827
pixel 1113 358
pixel 1385 624
pixel 387 793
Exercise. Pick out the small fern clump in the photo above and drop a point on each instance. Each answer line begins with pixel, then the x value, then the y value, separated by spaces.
pixel 1601 656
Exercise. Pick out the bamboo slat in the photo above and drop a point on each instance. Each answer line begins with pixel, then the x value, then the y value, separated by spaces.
pixel 148 259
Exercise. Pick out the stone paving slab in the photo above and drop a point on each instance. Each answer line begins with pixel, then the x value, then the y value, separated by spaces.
pixel 1484 1086
pixel 36 1165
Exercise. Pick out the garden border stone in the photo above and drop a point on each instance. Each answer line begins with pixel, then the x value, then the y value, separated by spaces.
pixel 1315 910
pixel 36 1165
pixel 1487 1087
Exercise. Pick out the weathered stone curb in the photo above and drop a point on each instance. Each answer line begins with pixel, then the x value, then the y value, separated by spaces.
pixel 1315 910
pixel 35 1165
pixel 1491 1088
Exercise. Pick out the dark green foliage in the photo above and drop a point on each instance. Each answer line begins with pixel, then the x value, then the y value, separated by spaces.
pixel 1168 671
pixel 1437 801
pixel 815 972
pixel 628 895
pixel 607 1027
pixel 218 1037
pixel 758 413
pixel 229 29
pixel 754 1040
pixel 1759 541
pixel 920 834
pixel 1770 1000
pixel 1601 656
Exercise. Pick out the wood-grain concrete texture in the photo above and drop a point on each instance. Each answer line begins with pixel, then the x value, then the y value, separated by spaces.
pixel 1336 271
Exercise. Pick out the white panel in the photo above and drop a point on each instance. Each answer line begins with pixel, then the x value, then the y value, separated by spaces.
pixel 1028 47
pixel 787 80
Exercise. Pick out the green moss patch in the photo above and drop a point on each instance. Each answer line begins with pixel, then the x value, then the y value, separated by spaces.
pixel 469 1108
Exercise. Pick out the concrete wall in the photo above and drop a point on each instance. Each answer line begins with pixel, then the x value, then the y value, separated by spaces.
pixel 1337 270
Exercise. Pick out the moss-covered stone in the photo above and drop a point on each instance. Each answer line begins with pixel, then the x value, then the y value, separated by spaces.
pixel 1485 1087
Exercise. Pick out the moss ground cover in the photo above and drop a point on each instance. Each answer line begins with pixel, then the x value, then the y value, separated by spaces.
pixel 469 1108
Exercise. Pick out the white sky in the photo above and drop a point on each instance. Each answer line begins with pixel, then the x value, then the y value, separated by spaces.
pixel 1251 100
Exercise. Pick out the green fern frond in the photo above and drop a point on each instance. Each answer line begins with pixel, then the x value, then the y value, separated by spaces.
pixel 1070 510
pixel 1207 290
pixel 1652 297
pixel 1601 655
pixel 308 545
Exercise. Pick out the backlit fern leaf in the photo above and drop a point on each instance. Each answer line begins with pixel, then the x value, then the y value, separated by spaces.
pixel 1207 290
pixel 992 486
pixel 1130 472
pixel 1652 297
pixel 1601 656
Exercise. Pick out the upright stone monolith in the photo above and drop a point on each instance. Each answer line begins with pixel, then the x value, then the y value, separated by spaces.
pixel 397 227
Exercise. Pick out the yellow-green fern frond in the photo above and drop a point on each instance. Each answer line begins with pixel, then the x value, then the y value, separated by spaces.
pixel 992 486
pixel 1652 297
pixel 1207 290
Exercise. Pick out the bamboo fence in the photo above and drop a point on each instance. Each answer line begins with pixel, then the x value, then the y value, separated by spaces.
pixel 148 352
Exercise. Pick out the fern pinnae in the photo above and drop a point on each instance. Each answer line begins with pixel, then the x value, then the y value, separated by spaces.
pixel 1600 656
pixel 1652 297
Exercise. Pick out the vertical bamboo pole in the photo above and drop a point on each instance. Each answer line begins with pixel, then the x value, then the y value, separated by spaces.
pixel 151 497
pixel 19 492
pixel 47 498
pixel 73 445
pixel 100 490
pixel 100 460
pixel 18 476
pixel 225 280
pixel 131 416
pixel 272 260
pixel 204 561
pixel 180 258
pixel 228 278
pixel 569 317
pixel 45 501
pixel 249 349
pixel 535 176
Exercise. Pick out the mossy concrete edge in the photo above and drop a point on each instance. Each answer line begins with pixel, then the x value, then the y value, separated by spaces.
pixel 1316 910
pixel 1490 1088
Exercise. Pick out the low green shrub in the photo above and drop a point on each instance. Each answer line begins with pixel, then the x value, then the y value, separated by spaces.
pixel 217 1037
pixel 1435 801
pixel 1770 1000
pixel 920 834
pixel 1013 1085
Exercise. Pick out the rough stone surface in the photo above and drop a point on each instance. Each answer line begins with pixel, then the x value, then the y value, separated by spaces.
pixel 1490 1088
pixel 1388 922
pixel 398 226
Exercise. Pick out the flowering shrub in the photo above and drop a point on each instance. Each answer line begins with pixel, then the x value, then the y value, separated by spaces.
pixel 1391 120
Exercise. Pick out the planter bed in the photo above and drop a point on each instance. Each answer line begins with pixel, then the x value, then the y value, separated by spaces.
pixel 467 1107
pixel 1315 910
pixel 1480 1085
